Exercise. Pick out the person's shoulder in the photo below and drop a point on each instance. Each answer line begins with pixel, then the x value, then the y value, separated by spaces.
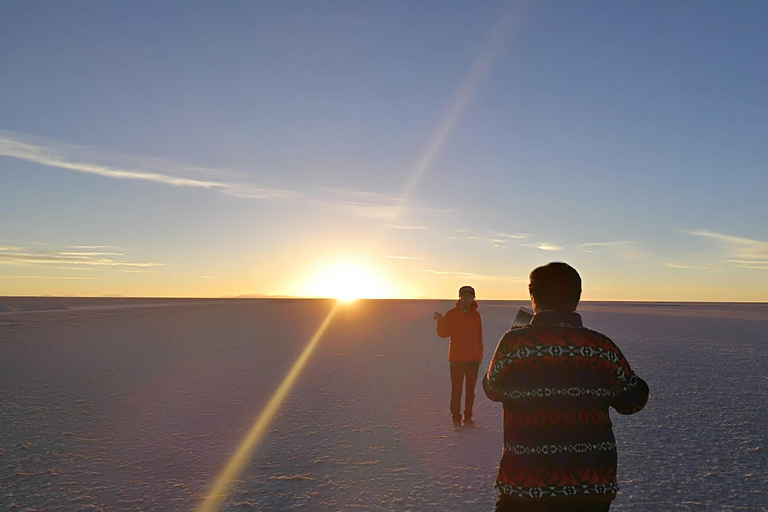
pixel 598 339
pixel 594 334
pixel 515 336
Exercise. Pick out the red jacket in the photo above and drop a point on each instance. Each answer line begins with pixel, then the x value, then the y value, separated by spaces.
pixel 466 332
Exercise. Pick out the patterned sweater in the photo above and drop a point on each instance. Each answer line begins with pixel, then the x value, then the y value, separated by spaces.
pixel 557 380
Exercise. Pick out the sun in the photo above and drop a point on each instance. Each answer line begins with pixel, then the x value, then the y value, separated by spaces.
pixel 347 282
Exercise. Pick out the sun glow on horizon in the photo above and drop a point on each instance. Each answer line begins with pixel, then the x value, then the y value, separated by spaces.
pixel 347 282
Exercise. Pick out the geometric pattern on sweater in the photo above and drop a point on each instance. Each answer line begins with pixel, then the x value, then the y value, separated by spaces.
pixel 551 491
pixel 557 477
pixel 566 417
pixel 557 381
pixel 552 449
pixel 572 391
pixel 567 351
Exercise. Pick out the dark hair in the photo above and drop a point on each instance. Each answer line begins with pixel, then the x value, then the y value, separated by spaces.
pixel 555 286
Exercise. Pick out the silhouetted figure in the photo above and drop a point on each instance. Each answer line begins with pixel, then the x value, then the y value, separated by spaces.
pixel 557 380
pixel 465 351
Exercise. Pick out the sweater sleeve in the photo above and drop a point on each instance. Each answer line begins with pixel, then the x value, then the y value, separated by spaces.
pixel 499 367
pixel 632 392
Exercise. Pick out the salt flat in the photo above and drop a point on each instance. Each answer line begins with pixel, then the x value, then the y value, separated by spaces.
pixel 120 404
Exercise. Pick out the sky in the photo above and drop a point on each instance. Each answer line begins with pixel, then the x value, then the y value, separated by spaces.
pixel 386 149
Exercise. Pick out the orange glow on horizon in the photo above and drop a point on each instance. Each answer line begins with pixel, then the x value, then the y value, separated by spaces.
pixel 347 282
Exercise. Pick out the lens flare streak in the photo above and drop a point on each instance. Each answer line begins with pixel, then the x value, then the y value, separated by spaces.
pixel 455 111
pixel 458 106
pixel 237 462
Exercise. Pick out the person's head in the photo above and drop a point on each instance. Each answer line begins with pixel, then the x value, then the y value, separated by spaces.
pixel 466 296
pixel 555 286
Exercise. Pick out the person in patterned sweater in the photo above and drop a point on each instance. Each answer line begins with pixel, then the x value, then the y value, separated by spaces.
pixel 557 380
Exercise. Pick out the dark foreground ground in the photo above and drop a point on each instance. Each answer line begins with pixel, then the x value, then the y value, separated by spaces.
pixel 126 404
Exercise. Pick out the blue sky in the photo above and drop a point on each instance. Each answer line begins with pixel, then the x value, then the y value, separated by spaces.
pixel 219 149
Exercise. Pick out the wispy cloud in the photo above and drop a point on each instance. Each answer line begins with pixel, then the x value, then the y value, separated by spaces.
pixel 18 255
pixel 623 248
pixel 197 276
pixel 67 253
pixel 360 209
pixel 753 264
pixel 741 250
pixel 86 247
pixel 516 236
pixel 693 267
pixel 391 256
pixel 607 244
pixel 410 228
pixel 371 204
pixel 495 239
pixel 49 277
pixel 448 273
pixel 101 162
pixel 112 164
pixel 545 246
pixel 481 277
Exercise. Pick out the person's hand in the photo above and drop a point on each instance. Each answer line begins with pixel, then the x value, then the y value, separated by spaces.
pixel 438 316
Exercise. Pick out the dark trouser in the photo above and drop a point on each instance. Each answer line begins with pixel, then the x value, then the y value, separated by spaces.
pixel 460 371
pixel 507 504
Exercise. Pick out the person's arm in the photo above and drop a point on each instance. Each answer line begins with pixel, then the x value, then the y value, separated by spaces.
pixel 443 326
pixel 498 369
pixel 632 392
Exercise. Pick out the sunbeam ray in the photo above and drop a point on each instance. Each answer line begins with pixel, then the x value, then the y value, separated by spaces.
pixel 459 105
pixel 237 462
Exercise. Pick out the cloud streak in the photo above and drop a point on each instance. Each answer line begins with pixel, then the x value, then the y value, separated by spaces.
pixel 623 248
pixel 481 277
pixel 49 277
pixel 16 255
pixel 373 205
pixel 545 246
pixel 693 267
pixel 410 228
pixel 101 162
pixel 111 164
pixel 495 239
pixel 742 249
pixel 753 264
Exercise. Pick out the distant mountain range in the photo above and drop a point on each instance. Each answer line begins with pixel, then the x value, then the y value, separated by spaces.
pixel 258 296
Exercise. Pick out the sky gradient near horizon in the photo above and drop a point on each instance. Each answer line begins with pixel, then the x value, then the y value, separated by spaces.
pixel 206 150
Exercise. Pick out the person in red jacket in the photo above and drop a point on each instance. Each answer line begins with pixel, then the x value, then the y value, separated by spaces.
pixel 464 326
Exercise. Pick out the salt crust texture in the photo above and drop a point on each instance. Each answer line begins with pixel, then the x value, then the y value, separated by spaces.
pixel 136 405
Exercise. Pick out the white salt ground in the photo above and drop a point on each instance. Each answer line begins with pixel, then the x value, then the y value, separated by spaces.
pixel 138 408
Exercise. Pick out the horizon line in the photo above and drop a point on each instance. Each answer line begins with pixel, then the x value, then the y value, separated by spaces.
pixel 294 297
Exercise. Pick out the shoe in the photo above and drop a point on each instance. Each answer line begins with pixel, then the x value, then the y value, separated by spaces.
pixel 470 423
pixel 457 426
